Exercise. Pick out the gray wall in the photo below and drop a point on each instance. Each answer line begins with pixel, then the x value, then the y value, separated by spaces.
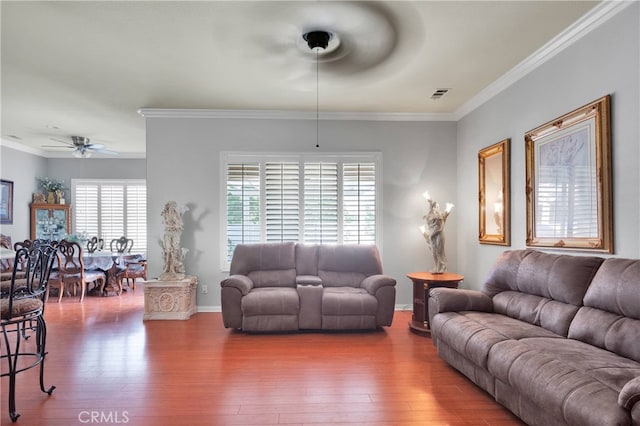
pixel 183 164
pixel 23 169
pixel 606 61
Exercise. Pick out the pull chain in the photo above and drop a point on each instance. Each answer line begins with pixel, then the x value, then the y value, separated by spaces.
pixel 317 102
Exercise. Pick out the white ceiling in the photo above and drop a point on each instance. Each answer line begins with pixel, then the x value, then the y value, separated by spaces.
pixel 86 68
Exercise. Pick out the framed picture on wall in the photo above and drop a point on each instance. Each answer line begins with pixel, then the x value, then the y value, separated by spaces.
pixel 568 180
pixel 6 201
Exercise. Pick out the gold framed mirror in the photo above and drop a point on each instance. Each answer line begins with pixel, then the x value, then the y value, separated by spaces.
pixel 493 196
pixel 568 186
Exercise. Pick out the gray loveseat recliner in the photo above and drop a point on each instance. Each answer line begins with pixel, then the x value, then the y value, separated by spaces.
pixel 289 286
pixel 554 338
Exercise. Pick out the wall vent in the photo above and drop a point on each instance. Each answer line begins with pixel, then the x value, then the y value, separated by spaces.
pixel 439 93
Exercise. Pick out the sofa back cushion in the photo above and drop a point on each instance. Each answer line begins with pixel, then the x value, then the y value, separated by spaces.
pixel 347 264
pixel 268 265
pixel 541 288
pixel 307 259
pixel 610 318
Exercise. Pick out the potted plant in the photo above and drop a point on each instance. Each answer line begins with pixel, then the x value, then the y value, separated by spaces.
pixel 52 188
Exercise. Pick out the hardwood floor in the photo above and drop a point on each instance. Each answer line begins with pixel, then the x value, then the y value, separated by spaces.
pixel 110 367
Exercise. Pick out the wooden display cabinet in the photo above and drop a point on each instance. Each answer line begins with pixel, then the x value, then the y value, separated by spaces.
pixel 50 221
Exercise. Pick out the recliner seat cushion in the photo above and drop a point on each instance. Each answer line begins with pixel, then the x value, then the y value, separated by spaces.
pixel 271 301
pixel 348 308
pixel 348 301
pixel 473 334
pixel 570 379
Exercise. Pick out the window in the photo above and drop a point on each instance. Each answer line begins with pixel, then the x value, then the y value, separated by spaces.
pixel 316 199
pixel 110 209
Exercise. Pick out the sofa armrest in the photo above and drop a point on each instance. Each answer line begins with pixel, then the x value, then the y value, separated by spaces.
pixel 630 393
pixel 375 282
pixel 241 282
pixel 308 280
pixel 443 299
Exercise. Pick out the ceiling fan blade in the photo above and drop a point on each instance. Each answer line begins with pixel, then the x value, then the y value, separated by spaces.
pixel 94 146
pixel 58 146
pixel 71 145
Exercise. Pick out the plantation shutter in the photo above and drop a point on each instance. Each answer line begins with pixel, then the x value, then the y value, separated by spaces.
pixel 359 203
pixel 136 214
pixel 243 205
pixel 282 206
pixel 320 203
pixel 86 209
pixel 110 209
pixel 111 212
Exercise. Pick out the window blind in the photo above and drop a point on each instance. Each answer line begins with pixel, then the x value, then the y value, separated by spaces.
pixel 243 205
pixel 282 201
pixel 359 203
pixel 109 209
pixel 315 199
pixel 321 203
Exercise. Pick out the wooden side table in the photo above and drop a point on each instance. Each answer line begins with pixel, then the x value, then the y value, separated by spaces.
pixel 422 283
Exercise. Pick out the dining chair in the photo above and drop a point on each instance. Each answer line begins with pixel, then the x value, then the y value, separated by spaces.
pixel 22 308
pixel 95 244
pixel 71 270
pixel 6 265
pixel 134 269
pixel 121 245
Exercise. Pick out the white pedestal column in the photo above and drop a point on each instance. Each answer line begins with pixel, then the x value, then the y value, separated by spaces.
pixel 170 300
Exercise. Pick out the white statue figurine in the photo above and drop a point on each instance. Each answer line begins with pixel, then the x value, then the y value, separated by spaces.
pixel 433 233
pixel 172 253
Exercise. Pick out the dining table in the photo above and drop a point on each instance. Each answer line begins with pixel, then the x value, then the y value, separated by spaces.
pixel 111 264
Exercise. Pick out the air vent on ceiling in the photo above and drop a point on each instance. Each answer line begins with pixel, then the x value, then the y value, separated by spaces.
pixel 439 93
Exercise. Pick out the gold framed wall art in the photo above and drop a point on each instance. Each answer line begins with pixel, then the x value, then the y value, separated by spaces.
pixel 568 180
pixel 494 207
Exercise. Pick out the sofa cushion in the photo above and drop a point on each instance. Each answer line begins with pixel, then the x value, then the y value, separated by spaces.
pixel 474 333
pixel 550 314
pixel 307 259
pixel 610 318
pixel 348 308
pixel 270 301
pixel 274 278
pixel 570 379
pixel 563 278
pixel 263 257
pixel 541 288
pixel 348 301
pixel 362 259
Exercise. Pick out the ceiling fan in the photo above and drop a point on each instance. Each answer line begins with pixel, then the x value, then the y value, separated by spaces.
pixel 82 147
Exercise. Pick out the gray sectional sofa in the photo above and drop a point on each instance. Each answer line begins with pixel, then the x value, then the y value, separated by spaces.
pixel 278 287
pixel 554 338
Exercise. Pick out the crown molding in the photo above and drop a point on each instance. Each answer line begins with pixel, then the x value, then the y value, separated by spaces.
pixel 21 147
pixel 292 115
pixel 583 26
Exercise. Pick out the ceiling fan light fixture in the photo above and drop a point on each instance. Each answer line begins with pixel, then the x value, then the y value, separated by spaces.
pixel 82 153
pixel 317 40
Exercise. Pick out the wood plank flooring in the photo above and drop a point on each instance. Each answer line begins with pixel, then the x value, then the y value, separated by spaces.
pixel 110 367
